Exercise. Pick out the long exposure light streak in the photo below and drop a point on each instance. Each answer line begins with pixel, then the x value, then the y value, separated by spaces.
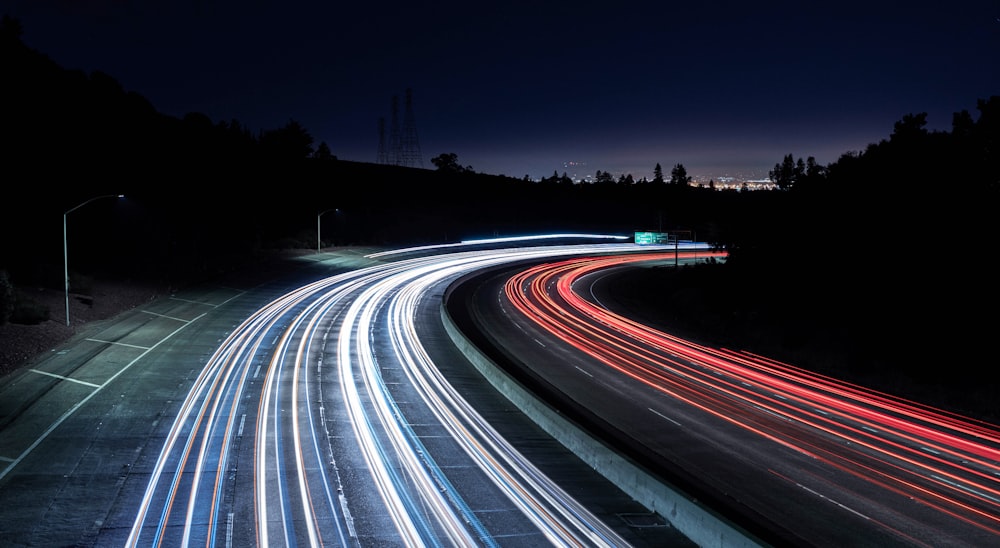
pixel 298 497
pixel 559 514
pixel 945 462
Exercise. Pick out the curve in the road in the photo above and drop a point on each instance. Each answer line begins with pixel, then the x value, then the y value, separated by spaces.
pixel 268 373
pixel 907 473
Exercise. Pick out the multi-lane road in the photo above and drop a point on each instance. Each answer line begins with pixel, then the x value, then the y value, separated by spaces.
pixel 796 457
pixel 331 407
pixel 312 411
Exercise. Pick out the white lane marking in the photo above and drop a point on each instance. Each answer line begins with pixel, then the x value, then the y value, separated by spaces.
pixel 194 302
pixel 118 344
pixel 64 378
pixel 158 315
pixel 587 373
pixel 822 496
pixel 957 485
pixel 82 402
pixel 661 415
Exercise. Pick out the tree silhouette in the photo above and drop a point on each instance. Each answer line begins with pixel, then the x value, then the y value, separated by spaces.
pixel 910 127
pixel 448 162
pixel 809 174
pixel 658 174
pixel 603 177
pixel 323 152
pixel 289 142
pixel 783 174
pixel 10 29
pixel 679 175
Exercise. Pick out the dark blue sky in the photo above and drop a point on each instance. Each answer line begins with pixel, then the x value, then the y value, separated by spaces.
pixel 522 88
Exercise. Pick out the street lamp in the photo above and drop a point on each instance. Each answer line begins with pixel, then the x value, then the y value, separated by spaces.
pixel 66 248
pixel 318 243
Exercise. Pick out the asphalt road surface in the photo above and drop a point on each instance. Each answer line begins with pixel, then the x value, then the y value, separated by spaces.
pixel 302 410
pixel 795 458
pixel 327 406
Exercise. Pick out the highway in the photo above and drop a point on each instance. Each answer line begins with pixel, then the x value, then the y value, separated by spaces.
pixel 797 458
pixel 336 406
pixel 345 347
pixel 314 416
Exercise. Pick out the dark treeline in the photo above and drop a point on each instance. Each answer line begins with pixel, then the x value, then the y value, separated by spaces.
pixel 52 113
pixel 877 268
pixel 882 260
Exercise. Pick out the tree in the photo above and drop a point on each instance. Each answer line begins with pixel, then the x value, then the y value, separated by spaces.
pixel 323 152
pixel 448 162
pixel 197 121
pixel 551 180
pixel 658 174
pixel 911 127
pixel 783 174
pixel 230 140
pixel 604 177
pixel 962 124
pixel 11 29
pixel 679 175
pixel 814 172
pixel 289 142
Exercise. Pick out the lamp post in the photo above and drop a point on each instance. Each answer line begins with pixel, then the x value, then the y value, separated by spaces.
pixel 318 238
pixel 66 247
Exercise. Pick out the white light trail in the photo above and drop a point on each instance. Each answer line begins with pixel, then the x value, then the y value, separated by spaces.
pixel 352 310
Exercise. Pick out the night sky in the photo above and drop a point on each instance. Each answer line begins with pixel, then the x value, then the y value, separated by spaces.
pixel 533 88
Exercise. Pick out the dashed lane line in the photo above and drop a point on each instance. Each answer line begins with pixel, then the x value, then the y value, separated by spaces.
pixel 65 378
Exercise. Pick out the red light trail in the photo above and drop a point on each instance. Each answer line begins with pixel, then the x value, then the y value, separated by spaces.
pixel 944 461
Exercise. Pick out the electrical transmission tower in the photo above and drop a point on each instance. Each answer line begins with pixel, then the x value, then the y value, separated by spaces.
pixel 395 146
pixel 410 144
pixel 404 147
pixel 383 153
